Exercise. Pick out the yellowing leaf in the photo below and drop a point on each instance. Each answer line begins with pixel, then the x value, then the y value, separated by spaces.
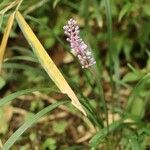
pixel 47 62
pixel 5 38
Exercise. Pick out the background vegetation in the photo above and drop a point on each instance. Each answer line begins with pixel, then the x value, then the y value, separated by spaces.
pixel 118 33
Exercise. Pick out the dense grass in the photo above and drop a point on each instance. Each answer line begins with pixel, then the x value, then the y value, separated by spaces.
pixel 111 97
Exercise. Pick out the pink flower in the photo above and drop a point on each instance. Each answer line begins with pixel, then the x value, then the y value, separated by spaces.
pixel 78 47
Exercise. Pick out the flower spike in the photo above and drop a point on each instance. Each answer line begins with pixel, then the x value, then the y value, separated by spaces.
pixel 78 47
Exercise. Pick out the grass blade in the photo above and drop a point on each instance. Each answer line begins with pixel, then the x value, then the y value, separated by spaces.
pixel 14 95
pixel 134 143
pixel 9 65
pixel 47 62
pixel 5 38
pixel 7 8
pixel 35 6
pixel 136 90
pixel 97 14
pixel 1 20
pixel 22 50
pixel 109 26
pixel 22 58
pixel 29 123
pixel 101 135
pixel 110 52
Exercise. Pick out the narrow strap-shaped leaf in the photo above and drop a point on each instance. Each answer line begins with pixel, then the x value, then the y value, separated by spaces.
pixel 14 95
pixel 5 38
pixel 14 137
pixel 9 65
pixel 1 20
pixel 24 58
pixel 101 135
pixel 47 62
pixel 10 6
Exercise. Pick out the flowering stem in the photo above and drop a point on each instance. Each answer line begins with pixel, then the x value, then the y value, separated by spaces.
pixel 112 57
pixel 78 47
pixel 102 96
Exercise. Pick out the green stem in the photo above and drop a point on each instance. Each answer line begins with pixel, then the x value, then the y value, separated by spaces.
pixel 102 96
pixel 111 56
pixel 19 4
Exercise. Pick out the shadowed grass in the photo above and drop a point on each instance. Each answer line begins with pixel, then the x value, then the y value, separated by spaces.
pixel 27 124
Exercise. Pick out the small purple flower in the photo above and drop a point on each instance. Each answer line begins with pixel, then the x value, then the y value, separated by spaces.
pixel 78 47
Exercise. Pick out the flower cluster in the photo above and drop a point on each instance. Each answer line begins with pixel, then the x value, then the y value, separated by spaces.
pixel 78 47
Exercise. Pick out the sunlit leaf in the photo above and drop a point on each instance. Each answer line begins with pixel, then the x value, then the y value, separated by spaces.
pixel 47 62
pixel 5 37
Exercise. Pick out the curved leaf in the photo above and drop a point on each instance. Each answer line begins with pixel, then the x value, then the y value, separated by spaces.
pixel 5 38
pixel 14 137
pixel 135 91
pixel 14 95
pixel 47 62
pixel 101 135
pixel 134 143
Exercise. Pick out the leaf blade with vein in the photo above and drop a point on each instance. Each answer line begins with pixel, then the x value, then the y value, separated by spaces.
pixel 14 95
pixel 47 62
pixel 5 38
pixel 13 138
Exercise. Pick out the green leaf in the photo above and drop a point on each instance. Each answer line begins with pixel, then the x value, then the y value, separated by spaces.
pixel 101 135
pixel 1 20
pixel 14 95
pixel 23 50
pixel 50 144
pixel 137 109
pixel 10 65
pixel 130 77
pixel 55 3
pixel 25 58
pixel 2 82
pixel 59 127
pixel 47 63
pixel 134 143
pixel 4 123
pixel 83 8
pixel 49 42
pixel 98 16
pixel 74 147
pixel 124 11
pixel 15 136
pixel 137 89
pixel 146 9
pixel 113 57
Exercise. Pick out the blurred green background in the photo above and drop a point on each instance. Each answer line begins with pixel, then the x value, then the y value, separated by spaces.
pixel 118 34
